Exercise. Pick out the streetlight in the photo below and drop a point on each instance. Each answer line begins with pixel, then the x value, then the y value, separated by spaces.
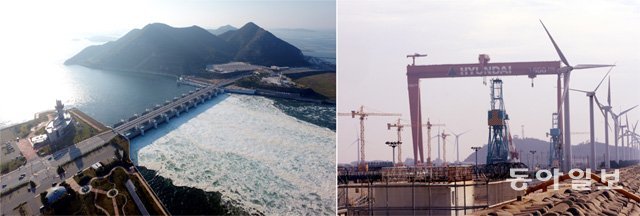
pixel 393 146
pixel 476 148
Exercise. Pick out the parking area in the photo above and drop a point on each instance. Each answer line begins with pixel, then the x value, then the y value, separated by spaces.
pixel 8 146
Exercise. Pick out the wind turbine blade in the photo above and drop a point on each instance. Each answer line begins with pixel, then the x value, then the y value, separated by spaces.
pixel 627 121
pixel 634 126
pixel 622 113
pixel 602 80
pixel 585 66
pixel 578 90
pixel 613 115
pixel 601 109
pixel 609 92
pixel 564 60
pixel 464 132
pixel 450 131
pixel 599 104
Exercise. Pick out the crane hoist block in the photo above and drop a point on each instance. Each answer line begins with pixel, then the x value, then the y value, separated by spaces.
pixel 497 117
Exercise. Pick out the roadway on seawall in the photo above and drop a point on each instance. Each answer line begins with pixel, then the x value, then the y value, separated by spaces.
pixel 42 171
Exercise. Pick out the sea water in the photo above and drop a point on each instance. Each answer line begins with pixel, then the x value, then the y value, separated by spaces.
pixel 252 152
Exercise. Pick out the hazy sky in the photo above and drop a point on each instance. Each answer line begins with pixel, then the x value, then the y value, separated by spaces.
pixel 81 16
pixel 374 37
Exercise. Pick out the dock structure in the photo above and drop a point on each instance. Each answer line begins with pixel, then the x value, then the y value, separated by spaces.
pixel 452 190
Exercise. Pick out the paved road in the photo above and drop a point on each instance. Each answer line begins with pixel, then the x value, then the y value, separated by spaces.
pixel 43 172
pixel 26 149
pixel 45 166
pixel 25 145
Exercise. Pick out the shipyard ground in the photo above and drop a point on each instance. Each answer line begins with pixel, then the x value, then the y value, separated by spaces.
pixel 19 197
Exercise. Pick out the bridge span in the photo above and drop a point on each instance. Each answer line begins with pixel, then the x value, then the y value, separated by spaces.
pixel 137 125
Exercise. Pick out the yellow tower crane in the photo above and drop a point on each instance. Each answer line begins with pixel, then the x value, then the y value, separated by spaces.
pixel 362 166
pixel 399 126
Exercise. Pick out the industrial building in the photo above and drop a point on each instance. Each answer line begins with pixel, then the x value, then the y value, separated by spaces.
pixel 232 69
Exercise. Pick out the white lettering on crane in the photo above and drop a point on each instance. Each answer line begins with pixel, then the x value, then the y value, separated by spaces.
pixel 487 70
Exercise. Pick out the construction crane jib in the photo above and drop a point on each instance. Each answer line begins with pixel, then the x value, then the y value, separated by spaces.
pixel 401 126
pixel 362 115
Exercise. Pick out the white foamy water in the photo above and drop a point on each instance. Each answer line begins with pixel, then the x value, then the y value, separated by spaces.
pixel 254 154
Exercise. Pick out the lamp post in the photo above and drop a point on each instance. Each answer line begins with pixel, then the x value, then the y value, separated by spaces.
pixel 393 146
pixel 476 148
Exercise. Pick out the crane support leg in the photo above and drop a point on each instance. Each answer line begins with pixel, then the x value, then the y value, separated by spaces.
pixel 416 119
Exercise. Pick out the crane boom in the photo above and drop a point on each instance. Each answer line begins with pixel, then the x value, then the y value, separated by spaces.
pixel 400 126
pixel 362 116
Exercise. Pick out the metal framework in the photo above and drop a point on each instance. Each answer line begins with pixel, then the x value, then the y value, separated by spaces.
pixel 555 148
pixel 417 72
pixel 362 115
pixel 483 69
pixel 499 144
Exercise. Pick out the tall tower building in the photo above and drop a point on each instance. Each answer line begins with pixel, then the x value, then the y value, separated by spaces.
pixel 60 109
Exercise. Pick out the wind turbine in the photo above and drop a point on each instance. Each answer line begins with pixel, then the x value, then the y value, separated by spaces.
pixel 457 144
pixel 628 135
pixel 591 95
pixel 634 137
pixel 605 112
pixel 444 148
pixel 616 121
pixel 616 126
pixel 623 129
pixel 566 71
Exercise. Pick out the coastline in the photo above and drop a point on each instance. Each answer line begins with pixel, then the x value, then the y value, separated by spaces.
pixel 204 198
pixel 249 91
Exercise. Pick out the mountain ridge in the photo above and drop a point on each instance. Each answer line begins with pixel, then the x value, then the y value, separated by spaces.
pixel 222 29
pixel 161 48
pixel 580 151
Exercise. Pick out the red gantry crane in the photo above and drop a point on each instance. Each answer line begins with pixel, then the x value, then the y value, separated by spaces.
pixel 483 69
pixel 362 166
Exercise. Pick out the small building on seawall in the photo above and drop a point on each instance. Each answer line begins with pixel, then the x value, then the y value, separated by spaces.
pixel 61 125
